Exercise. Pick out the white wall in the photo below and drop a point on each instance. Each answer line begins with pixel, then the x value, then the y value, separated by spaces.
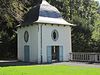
pixel 33 42
pixel 63 40
pixel 39 43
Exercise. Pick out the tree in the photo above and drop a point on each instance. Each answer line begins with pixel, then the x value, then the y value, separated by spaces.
pixel 11 14
pixel 83 14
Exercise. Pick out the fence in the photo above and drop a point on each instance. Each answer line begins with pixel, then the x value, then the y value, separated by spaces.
pixel 85 57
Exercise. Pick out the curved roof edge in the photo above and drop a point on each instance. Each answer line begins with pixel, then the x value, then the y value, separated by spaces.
pixel 60 21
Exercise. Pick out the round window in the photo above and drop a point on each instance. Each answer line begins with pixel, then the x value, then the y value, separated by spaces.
pixel 26 36
pixel 55 35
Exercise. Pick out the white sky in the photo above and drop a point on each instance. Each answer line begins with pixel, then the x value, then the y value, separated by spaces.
pixel 98 0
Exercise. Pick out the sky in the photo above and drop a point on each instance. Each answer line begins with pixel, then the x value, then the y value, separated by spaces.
pixel 98 0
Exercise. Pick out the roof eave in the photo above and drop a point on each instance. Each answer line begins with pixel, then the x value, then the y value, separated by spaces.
pixel 55 23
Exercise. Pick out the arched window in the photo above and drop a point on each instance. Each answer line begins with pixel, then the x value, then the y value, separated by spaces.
pixel 55 35
pixel 26 36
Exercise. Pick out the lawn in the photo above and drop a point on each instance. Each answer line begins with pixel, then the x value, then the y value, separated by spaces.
pixel 48 70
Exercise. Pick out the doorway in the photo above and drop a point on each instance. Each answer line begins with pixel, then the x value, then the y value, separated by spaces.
pixel 55 53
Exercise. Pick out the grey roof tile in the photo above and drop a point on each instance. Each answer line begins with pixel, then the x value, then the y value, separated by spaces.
pixel 44 13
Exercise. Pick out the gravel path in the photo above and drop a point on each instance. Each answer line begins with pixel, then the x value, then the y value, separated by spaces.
pixel 4 63
pixel 97 65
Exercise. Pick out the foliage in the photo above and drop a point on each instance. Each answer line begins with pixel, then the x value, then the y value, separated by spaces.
pixel 96 32
pixel 7 31
pixel 11 14
pixel 83 13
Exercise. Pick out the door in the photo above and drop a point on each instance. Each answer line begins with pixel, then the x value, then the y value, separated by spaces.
pixel 26 53
pixel 49 54
pixel 55 53
pixel 60 53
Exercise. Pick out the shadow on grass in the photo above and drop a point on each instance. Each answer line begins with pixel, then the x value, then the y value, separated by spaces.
pixel 19 63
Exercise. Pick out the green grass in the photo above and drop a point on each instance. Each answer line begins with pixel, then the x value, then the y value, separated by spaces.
pixel 48 70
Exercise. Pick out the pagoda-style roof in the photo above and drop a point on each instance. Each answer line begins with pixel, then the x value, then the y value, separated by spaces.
pixel 44 13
